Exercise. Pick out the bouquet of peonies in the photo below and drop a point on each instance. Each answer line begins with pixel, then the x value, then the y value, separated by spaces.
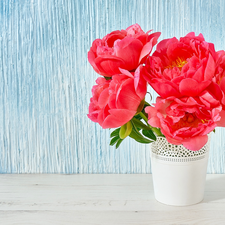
pixel 188 74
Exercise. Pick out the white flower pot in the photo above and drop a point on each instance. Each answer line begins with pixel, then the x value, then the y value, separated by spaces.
pixel 178 173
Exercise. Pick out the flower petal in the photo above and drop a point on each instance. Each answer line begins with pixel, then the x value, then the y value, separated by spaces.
pixel 146 50
pixel 103 98
pixel 195 143
pixel 191 87
pixel 91 59
pixel 210 68
pixel 140 83
pixel 109 65
pixel 164 89
pixel 221 123
pixel 129 50
pixel 126 72
pixel 117 118
pixel 126 97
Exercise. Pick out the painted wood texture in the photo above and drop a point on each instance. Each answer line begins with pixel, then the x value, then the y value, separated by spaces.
pixel 45 80
pixel 123 199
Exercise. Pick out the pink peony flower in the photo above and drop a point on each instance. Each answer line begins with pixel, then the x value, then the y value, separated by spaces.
pixel 116 101
pixel 186 120
pixel 182 67
pixel 218 85
pixel 124 49
pixel 219 77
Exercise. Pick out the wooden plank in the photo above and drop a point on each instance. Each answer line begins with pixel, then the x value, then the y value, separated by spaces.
pixel 157 217
pixel 101 199
pixel 76 179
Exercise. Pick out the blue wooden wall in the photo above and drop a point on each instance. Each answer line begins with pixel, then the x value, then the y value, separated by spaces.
pixel 46 80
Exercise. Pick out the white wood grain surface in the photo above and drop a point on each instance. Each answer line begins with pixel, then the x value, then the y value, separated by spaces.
pixel 101 199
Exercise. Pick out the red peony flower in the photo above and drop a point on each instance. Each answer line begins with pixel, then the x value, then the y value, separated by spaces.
pixel 116 101
pixel 186 120
pixel 124 49
pixel 182 67
pixel 219 77
pixel 218 85
pixel 188 74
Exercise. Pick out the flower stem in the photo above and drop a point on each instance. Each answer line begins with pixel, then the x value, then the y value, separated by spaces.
pixel 156 130
pixel 144 117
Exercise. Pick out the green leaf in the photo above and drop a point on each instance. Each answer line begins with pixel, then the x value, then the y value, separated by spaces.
pixel 114 140
pixel 115 133
pixel 135 129
pixel 108 78
pixel 125 130
pixel 149 134
pixel 119 142
pixel 136 135
pixel 138 117
pixel 138 138
pixel 147 104
pixel 139 124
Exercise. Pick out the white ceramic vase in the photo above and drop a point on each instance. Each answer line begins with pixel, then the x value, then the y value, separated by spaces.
pixel 178 173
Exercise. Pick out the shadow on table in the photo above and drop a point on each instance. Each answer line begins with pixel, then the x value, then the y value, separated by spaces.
pixel 215 189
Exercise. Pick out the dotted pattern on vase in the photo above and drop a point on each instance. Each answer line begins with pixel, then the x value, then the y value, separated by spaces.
pixel 162 149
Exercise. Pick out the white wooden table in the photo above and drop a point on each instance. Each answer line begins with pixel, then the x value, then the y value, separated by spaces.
pixel 101 199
